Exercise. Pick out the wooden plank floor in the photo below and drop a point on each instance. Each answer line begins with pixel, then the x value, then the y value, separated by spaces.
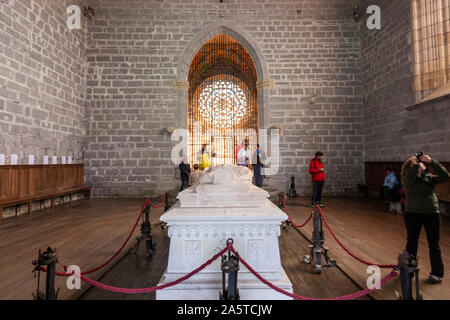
pixel 366 228
pixel 89 231
pixel 136 271
pixel 85 233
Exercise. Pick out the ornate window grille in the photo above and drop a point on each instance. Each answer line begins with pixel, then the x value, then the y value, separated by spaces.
pixel 222 109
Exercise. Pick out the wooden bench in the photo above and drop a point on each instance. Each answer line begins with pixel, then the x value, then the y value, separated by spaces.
pixel 375 173
pixel 25 184
pixel 368 190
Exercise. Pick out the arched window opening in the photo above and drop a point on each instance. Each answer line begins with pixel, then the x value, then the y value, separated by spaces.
pixel 222 101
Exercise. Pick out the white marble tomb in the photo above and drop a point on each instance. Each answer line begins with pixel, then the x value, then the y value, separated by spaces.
pixel 223 205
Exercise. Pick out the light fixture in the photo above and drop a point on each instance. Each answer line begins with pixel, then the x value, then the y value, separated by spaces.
pixel 170 129
pixel 356 13
pixel 88 12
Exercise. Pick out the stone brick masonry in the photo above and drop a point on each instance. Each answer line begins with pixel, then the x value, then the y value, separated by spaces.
pixel 105 94
pixel 311 49
pixel 394 128
pixel 42 81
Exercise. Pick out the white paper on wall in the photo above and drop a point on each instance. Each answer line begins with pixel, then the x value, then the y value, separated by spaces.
pixel 2 159
pixel 54 160
pixel 63 159
pixel 69 159
pixel 31 159
pixel 45 160
pixel 14 159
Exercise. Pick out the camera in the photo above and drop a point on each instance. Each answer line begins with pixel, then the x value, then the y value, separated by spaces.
pixel 419 155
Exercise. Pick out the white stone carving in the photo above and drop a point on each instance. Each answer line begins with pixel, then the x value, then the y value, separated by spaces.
pixel 255 252
pixel 193 253
pixel 224 205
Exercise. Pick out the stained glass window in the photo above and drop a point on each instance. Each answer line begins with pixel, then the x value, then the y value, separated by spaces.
pixel 222 101
pixel 223 104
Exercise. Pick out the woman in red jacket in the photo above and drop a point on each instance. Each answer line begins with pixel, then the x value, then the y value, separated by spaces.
pixel 318 177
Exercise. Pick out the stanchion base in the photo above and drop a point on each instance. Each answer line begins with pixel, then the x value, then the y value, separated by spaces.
pixel 207 287
pixel 323 252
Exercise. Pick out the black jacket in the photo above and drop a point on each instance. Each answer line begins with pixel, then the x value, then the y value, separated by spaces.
pixel 185 170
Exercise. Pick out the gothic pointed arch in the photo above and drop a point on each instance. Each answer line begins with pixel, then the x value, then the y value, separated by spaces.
pixel 222 101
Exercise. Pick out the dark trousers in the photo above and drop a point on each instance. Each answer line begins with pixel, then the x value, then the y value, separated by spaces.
pixel 258 177
pixel 184 184
pixel 384 193
pixel 317 191
pixel 431 222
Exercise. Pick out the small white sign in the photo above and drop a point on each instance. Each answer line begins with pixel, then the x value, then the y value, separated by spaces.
pixel 2 159
pixel 63 159
pixel 69 159
pixel 30 159
pixel 14 159
pixel 45 160
pixel 54 160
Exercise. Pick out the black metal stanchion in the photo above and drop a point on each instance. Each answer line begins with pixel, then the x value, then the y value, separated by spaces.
pixel 409 269
pixel 146 233
pixel 48 260
pixel 317 249
pixel 286 223
pixel 292 192
pixel 230 268
pixel 166 206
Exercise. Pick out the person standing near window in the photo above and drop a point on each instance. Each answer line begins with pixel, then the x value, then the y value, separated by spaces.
pixel 195 175
pixel 422 208
pixel 244 156
pixel 318 177
pixel 258 155
pixel 185 170
pixel 204 157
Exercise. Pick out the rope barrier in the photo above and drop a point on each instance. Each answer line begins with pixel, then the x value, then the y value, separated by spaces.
pixel 65 274
pixel 159 205
pixel 385 266
pixel 105 287
pixel 155 288
pixel 352 296
pixel 229 246
pixel 290 219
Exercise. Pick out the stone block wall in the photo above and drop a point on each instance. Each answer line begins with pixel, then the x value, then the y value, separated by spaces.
pixel 42 81
pixel 394 127
pixel 311 49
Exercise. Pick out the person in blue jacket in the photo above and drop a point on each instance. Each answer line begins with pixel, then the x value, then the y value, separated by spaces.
pixel 390 182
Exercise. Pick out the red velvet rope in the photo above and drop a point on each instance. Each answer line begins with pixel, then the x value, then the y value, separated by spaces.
pixel 159 205
pixel 290 219
pixel 361 293
pixel 102 286
pixel 155 288
pixel 352 296
pixel 385 266
pixel 64 274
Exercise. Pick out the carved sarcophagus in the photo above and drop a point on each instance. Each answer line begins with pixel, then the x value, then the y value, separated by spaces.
pixel 224 205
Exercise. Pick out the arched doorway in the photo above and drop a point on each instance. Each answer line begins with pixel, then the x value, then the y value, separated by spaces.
pixel 222 101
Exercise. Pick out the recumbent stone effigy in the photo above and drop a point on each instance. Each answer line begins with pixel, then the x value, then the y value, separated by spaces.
pixel 223 205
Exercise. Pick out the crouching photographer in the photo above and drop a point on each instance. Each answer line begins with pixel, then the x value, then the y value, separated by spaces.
pixel 422 207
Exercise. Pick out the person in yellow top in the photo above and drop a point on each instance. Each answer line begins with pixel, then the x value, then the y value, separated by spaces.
pixel 204 158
